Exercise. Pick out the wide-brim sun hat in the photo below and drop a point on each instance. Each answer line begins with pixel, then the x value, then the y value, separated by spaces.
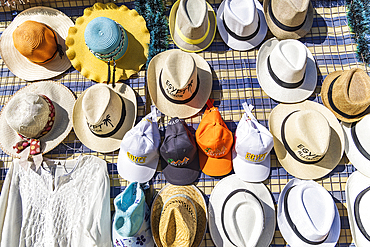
pixel 196 200
pixel 171 80
pixel 107 142
pixel 18 64
pixel 138 43
pixel 358 199
pixel 62 99
pixel 286 70
pixel 232 196
pixel 313 144
pixel 252 32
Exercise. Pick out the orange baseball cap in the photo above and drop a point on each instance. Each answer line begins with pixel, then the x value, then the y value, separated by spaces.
pixel 215 142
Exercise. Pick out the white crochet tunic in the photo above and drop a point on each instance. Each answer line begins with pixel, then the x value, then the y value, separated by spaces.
pixel 64 203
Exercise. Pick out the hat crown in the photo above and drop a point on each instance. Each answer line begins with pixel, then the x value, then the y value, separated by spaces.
pixel 27 114
pixel 363 211
pixel 290 12
pixel 361 131
pixel 288 60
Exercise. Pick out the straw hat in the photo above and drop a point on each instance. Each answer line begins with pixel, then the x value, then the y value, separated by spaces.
pixel 192 25
pixel 347 94
pixel 314 144
pixel 36 34
pixel 286 70
pixel 29 113
pixel 241 213
pixel 101 37
pixel 179 83
pixel 102 115
pixel 179 216
pixel 288 19
pixel 241 23
pixel 307 215
pixel 358 199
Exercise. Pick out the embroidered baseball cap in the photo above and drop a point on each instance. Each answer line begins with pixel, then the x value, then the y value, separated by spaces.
pixel 215 142
pixel 180 152
pixel 139 153
pixel 251 153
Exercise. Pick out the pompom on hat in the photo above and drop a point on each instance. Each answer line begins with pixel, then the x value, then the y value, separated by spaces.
pixel 33 45
pixel 108 43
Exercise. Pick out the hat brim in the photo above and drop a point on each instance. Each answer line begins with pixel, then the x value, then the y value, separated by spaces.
pixel 238 44
pixel 63 101
pixel 282 34
pixel 192 47
pixel 182 175
pixel 287 232
pixel 105 144
pixel 215 166
pixel 274 90
pixel 356 183
pixel 179 110
pixel 219 194
pixel 18 64
pixel 249 171
pixel 200 205
pixel 291 165
pixel 138 43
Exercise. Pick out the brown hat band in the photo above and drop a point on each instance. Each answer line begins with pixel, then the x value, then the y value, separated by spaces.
pixel 280 82
pixel 281 25
pixel 241 38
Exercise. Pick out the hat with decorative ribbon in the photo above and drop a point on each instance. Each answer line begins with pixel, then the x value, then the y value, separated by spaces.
pixel 33 45
pixel 108 43
pixel 192 25
pixel 36 119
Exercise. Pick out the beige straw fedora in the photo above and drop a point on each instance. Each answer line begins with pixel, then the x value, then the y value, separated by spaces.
pixel 192 24
pixel 308 139
pixel 102 115
pixel 179 216
pixel 288 19
pixel 28 112
pixel 20 65
pixel 347 94
pixel 179 83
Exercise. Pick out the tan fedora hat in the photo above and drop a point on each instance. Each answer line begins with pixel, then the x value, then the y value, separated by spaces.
pixel 347 94
pixel 192 24
pixel 179 216
pixel 28 113
pixel 20 41
pixel 308 139
pixel 288 19
pixel 102 115
pixel 179 83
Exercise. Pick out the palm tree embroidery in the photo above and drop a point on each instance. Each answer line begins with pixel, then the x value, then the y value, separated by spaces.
pixel 107 120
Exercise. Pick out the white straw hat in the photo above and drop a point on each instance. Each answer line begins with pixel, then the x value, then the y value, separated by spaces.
pixel 286 70
pixel 102 115
pixel 358 200
pixel 307 215
pixel 19 64
pixel 241 23
pixel 241 213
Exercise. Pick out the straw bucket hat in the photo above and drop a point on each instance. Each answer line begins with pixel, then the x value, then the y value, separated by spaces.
pixel 179 216
pixel 241 23
pixel 179 83
pixel 241 213
pixel 120 40
pixel 192 25
pixel 30 114
pixel 288 19
pixel 347 94
pixel 102 115
pixel 308 139
pixel 358 199
pixel 286 70
pixel 307 215
pixel 30 44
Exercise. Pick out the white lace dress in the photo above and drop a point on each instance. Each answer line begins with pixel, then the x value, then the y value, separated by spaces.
pixel 64 203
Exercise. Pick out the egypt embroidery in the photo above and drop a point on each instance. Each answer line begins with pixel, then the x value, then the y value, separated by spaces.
pixel 216 152
pixel 182 162
pixel 306 154
pixel 255 157
pixel 106 121
pixel 136 159
pixel 178 92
